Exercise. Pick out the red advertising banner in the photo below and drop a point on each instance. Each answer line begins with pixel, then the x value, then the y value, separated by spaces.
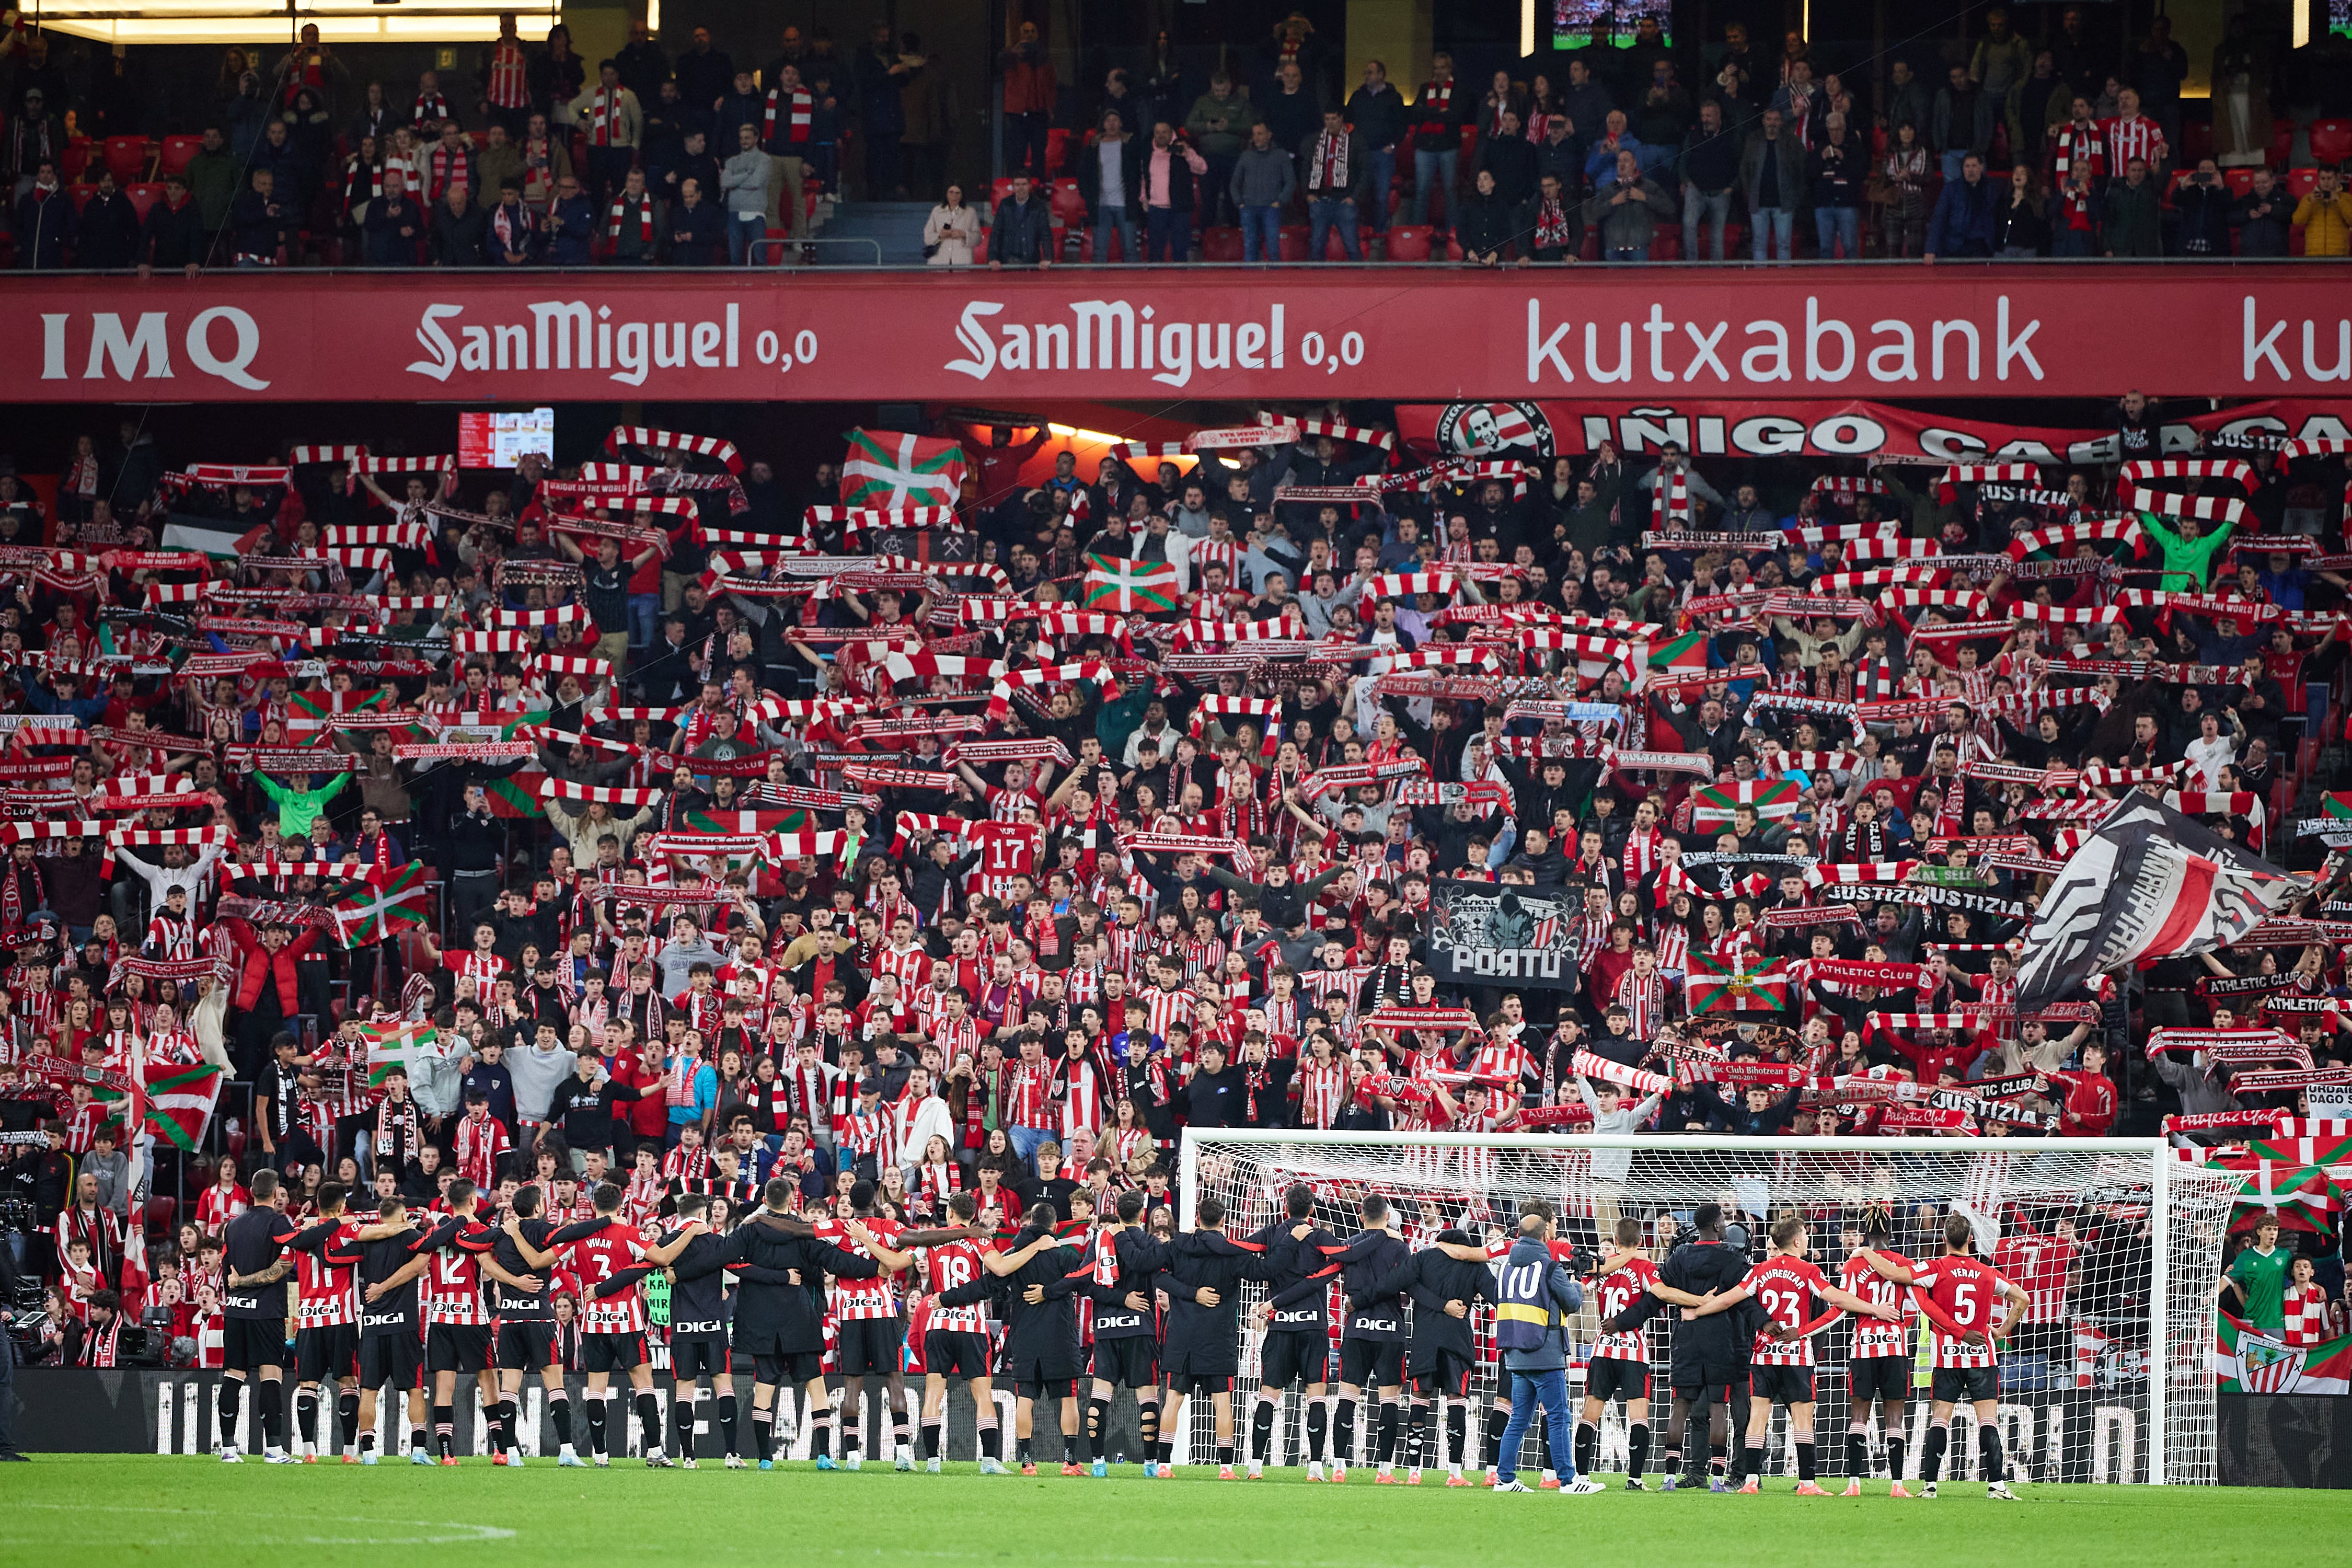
pixel 1708 427
pixel 1818 333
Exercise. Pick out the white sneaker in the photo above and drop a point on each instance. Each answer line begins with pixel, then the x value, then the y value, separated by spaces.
pixel 853 1461
pixel 1314 1470
pixel 368 1458
pixel 229 1456
pixel 1928 1491
pixel 568 1460
pixel 603 1461
pixel 687 1463
pixel 992 1467
pixel 735 1461
pixel 903 1461
pixel 1999 1492
pixel 1513 1485
pixel 276 1457
pixel 1583 1485
pixel 931 1467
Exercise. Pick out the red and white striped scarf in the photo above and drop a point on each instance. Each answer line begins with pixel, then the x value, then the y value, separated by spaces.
pixel 613 218
pixel 430 109
pixel 605 116
pixel 802 111
pixel 1671 499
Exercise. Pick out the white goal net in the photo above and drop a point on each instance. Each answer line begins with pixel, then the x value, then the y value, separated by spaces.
pixel 2116 1242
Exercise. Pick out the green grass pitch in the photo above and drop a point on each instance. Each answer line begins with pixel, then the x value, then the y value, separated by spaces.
pixel 193 1513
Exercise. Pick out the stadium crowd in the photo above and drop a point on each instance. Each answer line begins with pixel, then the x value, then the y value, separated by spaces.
pixel 2074 145
pixel 556 859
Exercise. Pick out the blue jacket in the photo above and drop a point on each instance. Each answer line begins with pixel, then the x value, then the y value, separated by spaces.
pixel 1566 1294
pixel 1962 222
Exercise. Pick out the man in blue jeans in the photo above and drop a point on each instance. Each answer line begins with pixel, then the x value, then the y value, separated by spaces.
pixel 1263 182
pixel 1530 1328
pixel 1336 187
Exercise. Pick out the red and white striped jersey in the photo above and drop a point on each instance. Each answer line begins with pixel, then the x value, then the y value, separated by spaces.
pixel 1644 1001
pixel 612 1250
pixel 2136 137
pixel 1322 1093
pixel 170 939
pixel 507 89
pixel 1163 1007
pixel 851 1301
pixel 1029 1095
pixel 949 1267
pixel 876 1134
pixel 1969 1293
pixel 954 1035
pixel 451 1290
pixel 1621 1290
pixel 2311 1317
pixel 2040 1265
pixel 1084 1092
pixel 483 968
pixel 326 1297
pixel 1874 1337
pixel 1785 1288
pixel 1123 947
pixel 911 968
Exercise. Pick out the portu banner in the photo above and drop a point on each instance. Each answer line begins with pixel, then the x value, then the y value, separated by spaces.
pixel 1491 933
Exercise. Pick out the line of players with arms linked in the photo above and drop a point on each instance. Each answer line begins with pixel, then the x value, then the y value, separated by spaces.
pixel 415 1302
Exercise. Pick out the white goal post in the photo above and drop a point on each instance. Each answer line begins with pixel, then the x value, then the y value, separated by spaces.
pixel 2118 1241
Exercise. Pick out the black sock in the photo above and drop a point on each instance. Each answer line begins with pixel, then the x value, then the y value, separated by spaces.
pixel 1807 1453
pixel 1751 1459
pixel 648 1421
pixel 306 1414
pixel 1695 1429
pixel 728 1411
pixel 1226 1455
pixel 681 1425
pixel 1931 1454
pixel 1637 1449
pixel 821 1433
pixel 231 1395
pixel 1261 1430
pixel 1147 1422
pixel 763 1433
pixel 1021 1448
pixel 1894 1448
pixel 558 1411
pixel 367 1442
pixel 1316 1415
pixel 1457 1429
pixel 270 1402
pixel 1496 1420
pixel 1715 1460
pixel 897 1432
pixel 1588 1444
pixel 1857 1454
pixel 496 1413
pixel 991 1440
pixel 1391 1417
pixel 597 1408
pixel 445 1429
pixel 1988 1451
pixel 416 1439
pixel 1070 1447
pixel 1097 1421
pixel 852 1417
pixel 1343 1432
pixel 1165 1451
pixel 347 1417
pixel 931 1439
pixel 1417 1439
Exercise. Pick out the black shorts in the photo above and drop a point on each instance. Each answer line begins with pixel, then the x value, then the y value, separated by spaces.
pixel 526 1344
pixel 250 1343
pixel 949 1352
pixel 1608 1377
pixel 611 1352
pixel 871 1347
pixel 1781 1384
pixel 794 1368
pixel 1371 1364
pixel 328 1354
pixel 395 1358
pixel 1045 1387
pixel 1442 1371
pixel 1691 1383
pixel 1965 1384
pixel 693 1356
pixel 1188 1372
pixel 456 1347
pixel 1128 1361
pixel 1878 1377
pixel 1291 1356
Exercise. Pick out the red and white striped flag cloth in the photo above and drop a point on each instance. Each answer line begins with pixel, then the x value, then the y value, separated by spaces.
pixel 433 602
pixel 2093 531
pixel 901 667
pixel 572 664
pixel 218 833
pixel 1842 485
pixel 1670 498
pixel 1586 1064
pixel 650 506
pixel 860 517
pixel 804 710
pixel 1868 872
pixel 360 560
pixel 1384 439
pixel 1966 599
pixel 1878 577
pixel 913 821
pixel 2205 508
pixel 231 474
pixel 462 643
pixel 441 463
pixel 399 535
pixel 1140 451
pixel 1823 532
pixel 571 614
pixel 715 538
pixel 987 610
pixel 630 474
pixel 1404 585
pixel 2136 473
pixel 1984 473
pixel 1084 624
pixel 2315 447
pixel 2063 615
pixel 20 832
pixel 1267 711
pixel 301 455
pixel 180 592
pixel 1456 471
pixel 631 715
pixel 1189 633
pixel 673 441
pixel 564 789
pixel 148 785
pixel 1890 547
pixel 1000 701
pixel 1438 655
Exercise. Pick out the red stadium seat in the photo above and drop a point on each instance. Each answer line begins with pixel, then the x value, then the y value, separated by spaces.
pixel 2195 141
pixel 143 196
pixel 159 1215
pixel 777 253
pixel 1220 244
pixel 2282 142
pixel 1068 207
pixel 2300 183
pixel 1410 242
pixel 2240 180
pixel 1086 246
pixel 176 154
pixel 1057 149
pixel 2331 140
pixel 127 157
pixel 75 159
pixel 1291 244
pixel 980 248
pixel 1336 248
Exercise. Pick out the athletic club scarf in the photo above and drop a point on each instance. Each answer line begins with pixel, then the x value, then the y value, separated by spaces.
pixel 1354 775
pixel 1267 710
pixel 712 447
pixel 618 212
pixel 1670 498
pixel 1891 976
pixel 605 116
pixel 1330 170
pixel 1000 701
pixel 982 753
pixel 1552 224
pixel 797 118
pixel 430 109
pixel 880 775
pixel 1587 1065
pixel 1179 843
pixel 563 789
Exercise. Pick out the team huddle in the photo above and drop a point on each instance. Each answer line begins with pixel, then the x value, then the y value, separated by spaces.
pixel 1071 1310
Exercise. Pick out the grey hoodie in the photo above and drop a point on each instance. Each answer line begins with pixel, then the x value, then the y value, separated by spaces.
pixel 1264 177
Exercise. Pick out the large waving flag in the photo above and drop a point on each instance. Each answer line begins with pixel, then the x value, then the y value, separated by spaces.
pixel 428 1057
pixel 1131 587
pixel 1715 987
pixel 885 468
pixel 1772 798
pixel 371 913
pixel 176 1106
pixel 2148 883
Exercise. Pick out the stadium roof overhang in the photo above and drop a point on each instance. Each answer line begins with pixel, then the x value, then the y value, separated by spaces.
pixel 255 22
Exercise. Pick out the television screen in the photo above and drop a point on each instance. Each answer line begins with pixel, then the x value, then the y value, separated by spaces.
pixel 1572 20
pixel 499 440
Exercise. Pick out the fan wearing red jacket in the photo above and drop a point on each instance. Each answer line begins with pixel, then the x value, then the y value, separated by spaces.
pixel 1956 1293
pixel 2090 1107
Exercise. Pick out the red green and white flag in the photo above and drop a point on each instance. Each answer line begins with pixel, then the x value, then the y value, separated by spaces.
pixel 177 1107
pixel 1685 655
pixel 370 913
pixel 2248 1361
pixel 1713 986
pixel 1772 798
pixel 1131 587
pixel 887 469
pixel 413 1048
pixel 2339 804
